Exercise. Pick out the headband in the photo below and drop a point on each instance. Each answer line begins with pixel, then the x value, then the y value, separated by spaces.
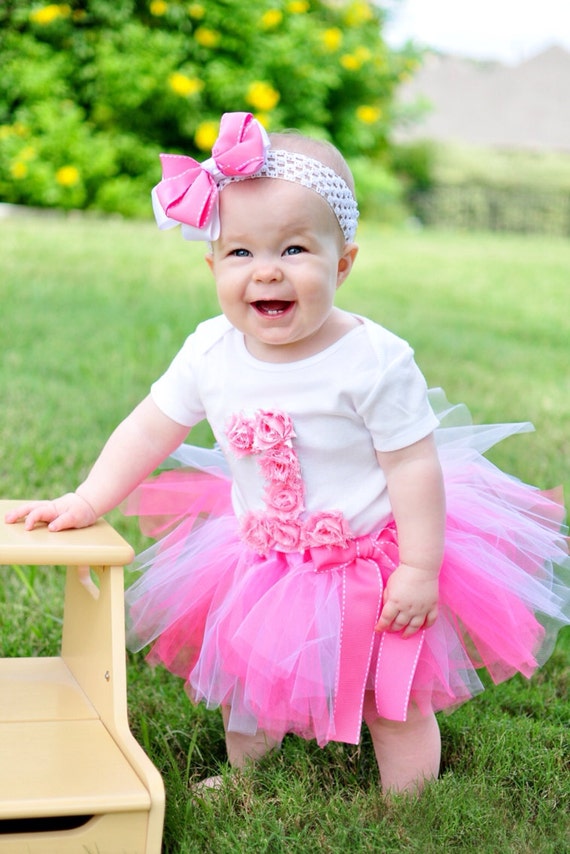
pixel 188 194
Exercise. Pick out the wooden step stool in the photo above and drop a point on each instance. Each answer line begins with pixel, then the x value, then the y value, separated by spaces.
pixel 72 777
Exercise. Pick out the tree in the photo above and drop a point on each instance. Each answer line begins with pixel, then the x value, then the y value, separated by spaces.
pixel 92 90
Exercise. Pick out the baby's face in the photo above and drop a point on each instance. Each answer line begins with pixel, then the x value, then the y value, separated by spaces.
pixel 278 262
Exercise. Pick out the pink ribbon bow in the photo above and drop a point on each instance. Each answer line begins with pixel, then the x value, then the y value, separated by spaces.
pixel 188 193
pixel 397 656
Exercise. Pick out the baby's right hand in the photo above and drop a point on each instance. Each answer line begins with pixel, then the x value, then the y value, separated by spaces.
pixel 69 511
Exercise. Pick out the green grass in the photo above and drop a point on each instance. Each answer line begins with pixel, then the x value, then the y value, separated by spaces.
pixel 94 310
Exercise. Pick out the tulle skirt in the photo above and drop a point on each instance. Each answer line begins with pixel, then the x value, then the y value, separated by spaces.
pixel 288 641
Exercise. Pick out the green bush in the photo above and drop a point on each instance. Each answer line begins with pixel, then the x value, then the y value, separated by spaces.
pixel 500 168
pixel 484 208
pixel 380 194
pixel 489 189
pixel 92 90
pixel 414 163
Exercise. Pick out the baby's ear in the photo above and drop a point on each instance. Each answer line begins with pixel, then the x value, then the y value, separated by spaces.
pixel 345 262
pixel 209 259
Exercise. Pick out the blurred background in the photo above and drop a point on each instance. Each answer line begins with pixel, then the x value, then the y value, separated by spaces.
pixel 450 114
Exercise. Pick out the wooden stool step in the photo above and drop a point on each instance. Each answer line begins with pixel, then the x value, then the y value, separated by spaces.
pixel 68 768
pixel 72 777
pixel 41 689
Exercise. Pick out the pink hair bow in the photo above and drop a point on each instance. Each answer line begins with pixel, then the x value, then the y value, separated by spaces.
pixel 188 193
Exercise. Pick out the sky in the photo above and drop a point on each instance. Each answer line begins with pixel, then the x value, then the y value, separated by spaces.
pixel 506 30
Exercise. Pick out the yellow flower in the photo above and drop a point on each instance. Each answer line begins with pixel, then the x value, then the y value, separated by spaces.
pixel 183 85
pixel 368 114
pixel 332 38
pixel 196 10
pixel 350 62
pixel 354 61
pixel 47 14
pixel 363 54
pixel 271 19
pixel 262 96
pixel 206 37
pixel 411 64
pixel 206 135
pixel 263 119
pixel 28 153
pixel 298 7
pixel 380 62
pixel 67 176
pixel 158 8
pixel 18 170
pixel 358 12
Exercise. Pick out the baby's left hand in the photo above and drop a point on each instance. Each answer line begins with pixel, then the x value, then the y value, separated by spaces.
pixel 410 601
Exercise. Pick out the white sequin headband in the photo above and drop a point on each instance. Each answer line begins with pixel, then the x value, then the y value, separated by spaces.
pixel 310 173
pixel 188 194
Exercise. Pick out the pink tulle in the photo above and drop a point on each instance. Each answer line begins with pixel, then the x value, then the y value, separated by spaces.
pixel 262 633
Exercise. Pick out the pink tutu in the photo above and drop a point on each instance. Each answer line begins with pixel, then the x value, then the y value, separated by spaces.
pixel 288 641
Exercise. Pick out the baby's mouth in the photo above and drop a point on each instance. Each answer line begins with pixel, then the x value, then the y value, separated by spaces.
pixel 272 307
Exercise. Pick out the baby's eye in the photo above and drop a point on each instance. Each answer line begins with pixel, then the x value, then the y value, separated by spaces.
pixel 293 250
pixel 240 253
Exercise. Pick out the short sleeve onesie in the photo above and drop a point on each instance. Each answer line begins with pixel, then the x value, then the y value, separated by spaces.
pixel 362 394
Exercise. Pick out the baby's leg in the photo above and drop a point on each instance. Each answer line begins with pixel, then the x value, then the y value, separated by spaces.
pixel 243 748
pixel 408 753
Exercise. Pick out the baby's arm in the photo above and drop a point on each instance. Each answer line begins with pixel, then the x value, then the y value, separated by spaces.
pixel 415 487
pixel 137 446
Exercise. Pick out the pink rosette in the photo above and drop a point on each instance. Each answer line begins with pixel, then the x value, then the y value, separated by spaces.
pixel 285 498
pixel 239 431
pixel 257 530
pixel 286 534
pixel 280 465
pixel 268 434
pixel 271 429
pixel 326 528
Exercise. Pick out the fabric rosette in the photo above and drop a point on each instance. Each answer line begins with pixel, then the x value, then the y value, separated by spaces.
pixel 239 431
pixel 327 528
pixel 281 525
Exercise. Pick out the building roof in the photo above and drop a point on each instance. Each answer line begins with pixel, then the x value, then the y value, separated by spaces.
pixel 489 104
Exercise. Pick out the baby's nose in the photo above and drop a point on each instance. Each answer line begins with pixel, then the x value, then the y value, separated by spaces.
pixel 268 271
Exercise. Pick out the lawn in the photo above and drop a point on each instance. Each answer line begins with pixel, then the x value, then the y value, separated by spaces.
pixel 93 310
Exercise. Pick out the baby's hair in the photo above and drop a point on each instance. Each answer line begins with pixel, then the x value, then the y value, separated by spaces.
pixel 318 149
